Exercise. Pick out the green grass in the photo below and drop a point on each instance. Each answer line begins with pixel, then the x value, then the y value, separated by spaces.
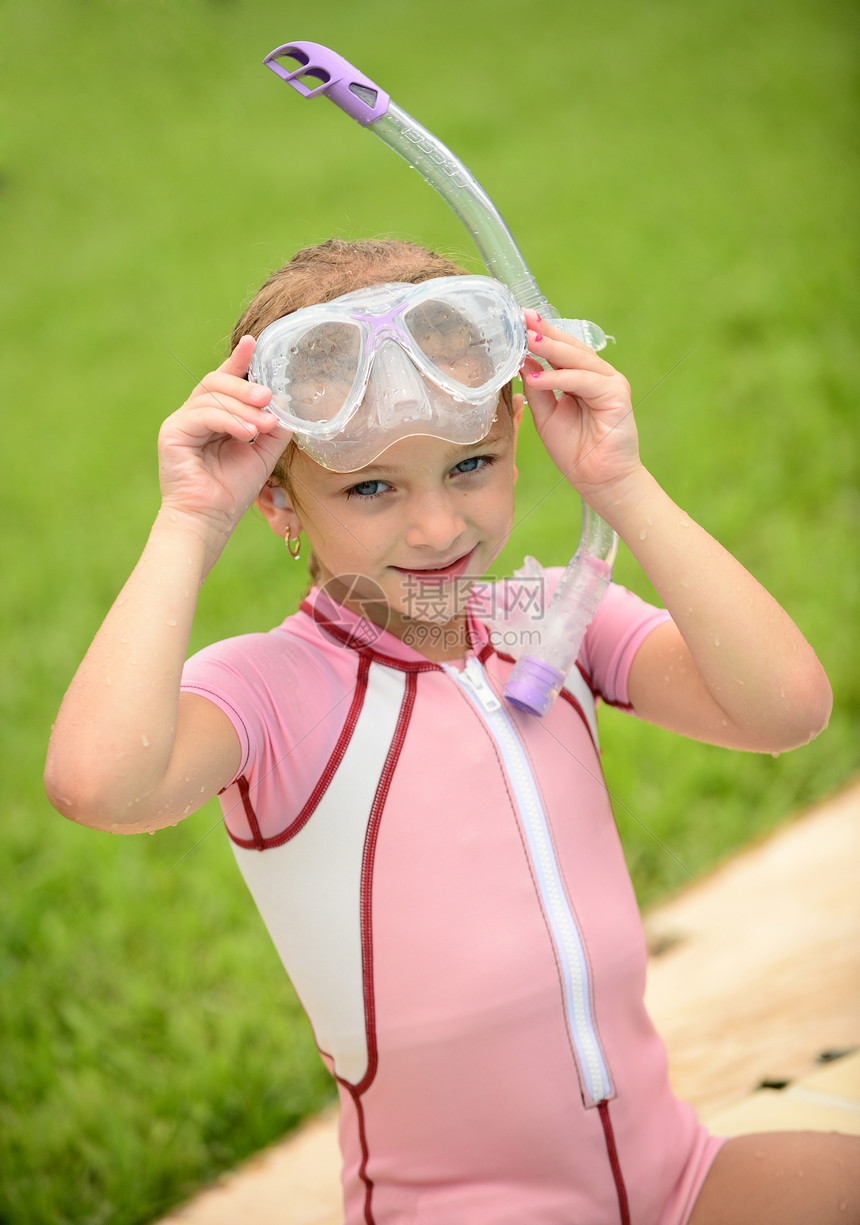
pixel 686 175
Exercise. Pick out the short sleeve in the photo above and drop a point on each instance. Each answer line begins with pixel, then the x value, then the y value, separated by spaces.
pixel 224 674
pixel 620 625
pixel 287 700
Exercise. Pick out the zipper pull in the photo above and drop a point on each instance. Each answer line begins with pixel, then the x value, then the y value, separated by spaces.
pixel 473 677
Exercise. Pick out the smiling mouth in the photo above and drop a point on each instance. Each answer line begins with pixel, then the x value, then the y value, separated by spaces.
pixel 453 569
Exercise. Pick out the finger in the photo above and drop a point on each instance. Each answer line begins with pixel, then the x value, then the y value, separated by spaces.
pixel 239 360
pixel 273 444
pixel 595 389
pixel 539 399
pixel 554 328
pixel 199 424
pixel 221 387
pixel 560 349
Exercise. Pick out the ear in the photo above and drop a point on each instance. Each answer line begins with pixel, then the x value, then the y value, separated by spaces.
pixel 275 505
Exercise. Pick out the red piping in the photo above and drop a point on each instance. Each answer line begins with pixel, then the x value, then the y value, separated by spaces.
pixel 256 839
pixel 620 1189
pixel 349 640
pixel 572 701
pixel 260 843
pixel 379 799
pixel 370 841
pixel 362 1139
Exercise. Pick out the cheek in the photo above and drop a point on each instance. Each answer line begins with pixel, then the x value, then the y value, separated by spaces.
pixel 344 540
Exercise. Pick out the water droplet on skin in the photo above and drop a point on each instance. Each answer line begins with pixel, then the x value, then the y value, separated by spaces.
pixel 716 642
pixel 643 533
pixel 171 622
pixel 843 1205
pixel 685 523
pixel 108 680
pixel 144 740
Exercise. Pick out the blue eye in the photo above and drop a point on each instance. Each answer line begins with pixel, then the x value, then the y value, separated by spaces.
pixel 367 489
pixel 474 463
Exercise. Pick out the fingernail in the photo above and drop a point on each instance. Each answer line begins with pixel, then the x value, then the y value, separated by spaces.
pixel 538 337
pixel 535 374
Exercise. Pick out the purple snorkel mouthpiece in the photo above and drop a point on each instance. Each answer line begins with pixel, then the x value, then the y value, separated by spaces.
pixel 533 685
pixel 323 71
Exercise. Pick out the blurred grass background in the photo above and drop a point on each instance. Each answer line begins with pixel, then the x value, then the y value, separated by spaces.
pixel 684 174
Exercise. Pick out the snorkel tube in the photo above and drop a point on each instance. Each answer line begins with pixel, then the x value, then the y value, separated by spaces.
pixel 537 677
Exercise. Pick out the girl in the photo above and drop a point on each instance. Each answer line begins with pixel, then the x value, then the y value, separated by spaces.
pixel 439 871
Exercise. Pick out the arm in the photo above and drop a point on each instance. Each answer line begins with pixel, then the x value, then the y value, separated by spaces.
pixel 127 751
pixel 732 668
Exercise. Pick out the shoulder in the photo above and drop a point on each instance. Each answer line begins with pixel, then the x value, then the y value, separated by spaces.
pixel 289 649
pixel 260 674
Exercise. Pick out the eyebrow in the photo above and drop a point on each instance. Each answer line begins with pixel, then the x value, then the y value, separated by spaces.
pixel 365 474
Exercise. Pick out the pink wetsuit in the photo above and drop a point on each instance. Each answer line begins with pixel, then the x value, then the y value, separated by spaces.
pixel 442 877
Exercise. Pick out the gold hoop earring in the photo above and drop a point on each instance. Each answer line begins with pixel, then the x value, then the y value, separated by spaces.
pixel 294 547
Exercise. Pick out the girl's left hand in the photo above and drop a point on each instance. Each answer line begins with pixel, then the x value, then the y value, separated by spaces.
pixel 589 429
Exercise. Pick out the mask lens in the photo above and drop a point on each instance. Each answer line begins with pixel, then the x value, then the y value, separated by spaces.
pixel 450 342
pixel 320 369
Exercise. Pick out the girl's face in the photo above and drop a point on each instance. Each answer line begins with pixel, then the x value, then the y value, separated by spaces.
pixel 418 523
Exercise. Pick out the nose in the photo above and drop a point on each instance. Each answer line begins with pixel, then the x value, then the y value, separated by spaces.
pixel 435 523
pixel 397 388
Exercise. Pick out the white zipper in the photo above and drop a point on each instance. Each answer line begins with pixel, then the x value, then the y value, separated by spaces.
pixel 563 927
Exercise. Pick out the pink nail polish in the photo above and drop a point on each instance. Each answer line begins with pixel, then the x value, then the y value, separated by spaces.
pixel 538 337
pixel 535 374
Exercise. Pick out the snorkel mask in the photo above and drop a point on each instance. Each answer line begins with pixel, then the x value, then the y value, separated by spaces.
pixel 352 376
pixel 316 71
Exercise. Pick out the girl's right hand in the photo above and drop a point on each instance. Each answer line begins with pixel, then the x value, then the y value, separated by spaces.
pixel 218 450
